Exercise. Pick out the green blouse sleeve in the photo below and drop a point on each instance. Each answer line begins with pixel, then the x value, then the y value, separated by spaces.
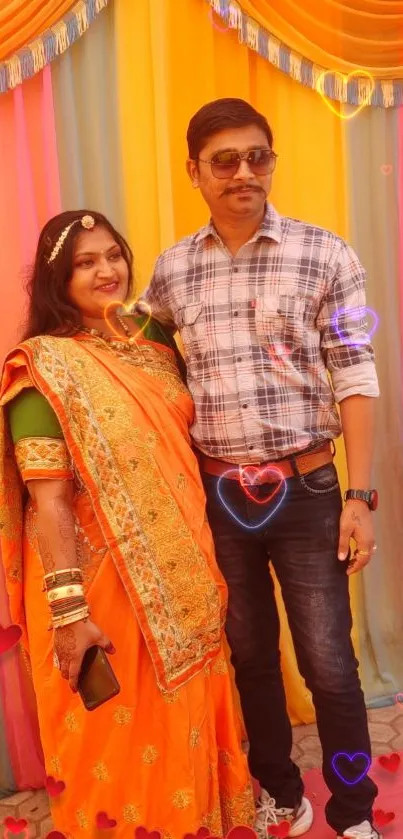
pixel 31 415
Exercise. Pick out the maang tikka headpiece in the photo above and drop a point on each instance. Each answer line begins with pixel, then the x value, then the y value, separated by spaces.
pixel 86 221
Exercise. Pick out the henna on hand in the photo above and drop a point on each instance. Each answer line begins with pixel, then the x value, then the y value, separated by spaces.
pixel 65 646
pixel 46 552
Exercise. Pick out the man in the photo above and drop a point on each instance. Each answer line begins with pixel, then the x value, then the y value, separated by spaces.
pixel 266 307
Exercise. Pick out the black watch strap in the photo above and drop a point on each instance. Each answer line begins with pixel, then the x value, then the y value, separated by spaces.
pixel 369 496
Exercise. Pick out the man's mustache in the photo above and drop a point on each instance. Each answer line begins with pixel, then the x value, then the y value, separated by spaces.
pixel 232 190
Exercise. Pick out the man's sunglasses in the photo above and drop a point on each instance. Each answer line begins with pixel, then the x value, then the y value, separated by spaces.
pixel 225 164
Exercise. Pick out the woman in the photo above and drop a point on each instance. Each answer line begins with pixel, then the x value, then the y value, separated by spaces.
pixel 105 541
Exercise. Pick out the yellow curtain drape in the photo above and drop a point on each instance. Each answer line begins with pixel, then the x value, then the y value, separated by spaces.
pixel 186 62
pixel 337 34
pixel 23 20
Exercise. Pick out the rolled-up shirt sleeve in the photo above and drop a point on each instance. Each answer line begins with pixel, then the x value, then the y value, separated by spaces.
pixel 155 299
pixel 345 323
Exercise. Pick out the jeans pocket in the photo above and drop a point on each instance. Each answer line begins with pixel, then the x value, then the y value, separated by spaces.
pixel 321 481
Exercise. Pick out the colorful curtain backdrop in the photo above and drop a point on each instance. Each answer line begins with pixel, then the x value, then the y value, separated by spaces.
pixel 119 146
pixel 345 35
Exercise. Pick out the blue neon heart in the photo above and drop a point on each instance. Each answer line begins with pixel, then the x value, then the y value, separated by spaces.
pixel 351 758
pixel 235 516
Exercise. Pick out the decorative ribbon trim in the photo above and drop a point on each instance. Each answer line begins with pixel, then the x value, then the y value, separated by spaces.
pixel 53 42
pixel 352 91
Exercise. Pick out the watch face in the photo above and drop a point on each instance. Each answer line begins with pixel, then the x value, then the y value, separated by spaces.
pixel 374 499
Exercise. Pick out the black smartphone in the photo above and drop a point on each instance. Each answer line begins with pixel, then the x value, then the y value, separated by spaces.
pixel 97 682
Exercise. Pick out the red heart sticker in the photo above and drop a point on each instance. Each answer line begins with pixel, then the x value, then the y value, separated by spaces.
pixel 390 762
pixel 142 833
pixel 104 822
pixel 245 473
pixel 282 830
pixel 53 787
pixel 381 818
pixel 55 834
pixel 15 825
pixel 202 833
pixel 9 637
pixel 241 831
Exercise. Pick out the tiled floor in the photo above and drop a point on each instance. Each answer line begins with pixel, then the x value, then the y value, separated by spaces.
pixel 386 726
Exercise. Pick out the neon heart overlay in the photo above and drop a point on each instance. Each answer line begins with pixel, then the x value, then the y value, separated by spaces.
pixel 360 73
pixel 356 313
pixel 212 21
pixel 282 830
pixel 381 818
pixel 103 821
pixel 15 825
pixel 386 168
pixel 53 787
pixel 390 762
pixel 278 351
pixel 126 306
pixel 258 472
pixel 55 834
pixel 351 758
pixel 231 511
pixel 9 637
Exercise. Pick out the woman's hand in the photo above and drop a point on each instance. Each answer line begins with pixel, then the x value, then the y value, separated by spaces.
pixel 71 643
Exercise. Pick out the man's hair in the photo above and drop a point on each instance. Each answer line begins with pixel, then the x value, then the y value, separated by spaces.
pixel 221 114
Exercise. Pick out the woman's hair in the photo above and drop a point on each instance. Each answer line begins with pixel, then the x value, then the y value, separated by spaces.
pixel 50 310
pixel 219 115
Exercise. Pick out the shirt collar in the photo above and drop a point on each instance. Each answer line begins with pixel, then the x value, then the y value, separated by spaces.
pixel 270 228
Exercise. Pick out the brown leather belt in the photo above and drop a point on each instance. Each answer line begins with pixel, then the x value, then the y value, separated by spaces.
pixel 305 463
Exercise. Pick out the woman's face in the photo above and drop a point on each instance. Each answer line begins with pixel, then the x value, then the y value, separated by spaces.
pixel 100 272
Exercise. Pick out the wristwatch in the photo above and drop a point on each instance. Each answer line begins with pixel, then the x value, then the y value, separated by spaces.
pixel 370 497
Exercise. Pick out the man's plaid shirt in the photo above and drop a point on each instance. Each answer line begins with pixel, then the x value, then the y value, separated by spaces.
pixel 260 331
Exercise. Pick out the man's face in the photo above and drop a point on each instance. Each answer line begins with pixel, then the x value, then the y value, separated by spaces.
pixel 241 194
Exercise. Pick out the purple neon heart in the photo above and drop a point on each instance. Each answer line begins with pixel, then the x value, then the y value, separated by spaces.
pixel 351 758
pixel 355 313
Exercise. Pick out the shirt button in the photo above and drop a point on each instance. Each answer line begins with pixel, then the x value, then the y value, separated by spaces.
pixel 235 270
pixel 239 358
pixel 250 448
pixel 245 405
pixel 235 314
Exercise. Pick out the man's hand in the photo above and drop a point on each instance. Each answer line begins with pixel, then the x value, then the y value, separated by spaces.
pixel 356 523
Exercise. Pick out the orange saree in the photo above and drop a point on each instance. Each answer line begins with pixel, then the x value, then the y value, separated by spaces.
pixel 165 753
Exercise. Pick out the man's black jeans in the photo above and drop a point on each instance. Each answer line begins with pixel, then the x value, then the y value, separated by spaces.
pixel 300 540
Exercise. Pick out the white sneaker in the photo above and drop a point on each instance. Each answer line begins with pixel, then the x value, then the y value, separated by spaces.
pixel 300 818
pixel 361 831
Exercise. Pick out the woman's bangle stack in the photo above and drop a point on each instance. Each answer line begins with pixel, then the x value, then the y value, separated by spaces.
pixel 65 594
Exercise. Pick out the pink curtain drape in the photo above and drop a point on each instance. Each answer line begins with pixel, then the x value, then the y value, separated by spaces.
pixel 30 194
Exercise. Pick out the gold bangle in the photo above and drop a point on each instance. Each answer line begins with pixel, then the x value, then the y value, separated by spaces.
pixel 73 617
pixel 60 593
pixel 63 576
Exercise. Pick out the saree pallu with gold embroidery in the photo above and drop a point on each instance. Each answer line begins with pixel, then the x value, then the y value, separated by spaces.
pixel 165 753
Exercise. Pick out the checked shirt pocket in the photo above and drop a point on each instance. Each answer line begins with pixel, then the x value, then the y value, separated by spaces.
pixel 279 320
pixel 192 326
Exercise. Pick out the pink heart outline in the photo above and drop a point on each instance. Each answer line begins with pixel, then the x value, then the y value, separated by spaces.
pixel 234 515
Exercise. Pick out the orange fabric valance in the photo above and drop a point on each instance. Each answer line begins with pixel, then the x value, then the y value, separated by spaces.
pixel 337 35
pixel 22 21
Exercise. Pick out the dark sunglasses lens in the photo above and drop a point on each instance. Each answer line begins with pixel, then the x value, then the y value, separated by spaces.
pixel 260 161
pixel 224 164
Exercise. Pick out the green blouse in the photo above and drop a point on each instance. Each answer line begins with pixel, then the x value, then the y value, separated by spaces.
pixel 31 415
